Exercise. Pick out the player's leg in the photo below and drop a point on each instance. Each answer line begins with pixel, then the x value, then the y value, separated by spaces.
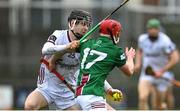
pixel 164 98
pixel 66 100
pixel 35 100
pixel 153 98
pixel 157 98
pixel 170 98
pixel 92 102
pixel 144 89
pixel 109 108
pixel 39 98
pixel 74 107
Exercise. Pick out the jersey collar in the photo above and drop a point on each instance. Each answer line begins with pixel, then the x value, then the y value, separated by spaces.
pixel 68 36
pixel 105 39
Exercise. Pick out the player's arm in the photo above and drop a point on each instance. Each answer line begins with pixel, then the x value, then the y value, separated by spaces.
pixel 53 44
pixel 50 48
pixel 128 67
pixel 70 48
pixel 52 60
pixel 173 60
pixel 138 60
pixel 109 90
pixel 170 49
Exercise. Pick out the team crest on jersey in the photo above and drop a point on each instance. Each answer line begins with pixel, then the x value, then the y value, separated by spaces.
pixel 122 57
pixel 98 43
pixel 52 39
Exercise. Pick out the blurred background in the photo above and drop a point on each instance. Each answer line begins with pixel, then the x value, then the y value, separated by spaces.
pixel 26 24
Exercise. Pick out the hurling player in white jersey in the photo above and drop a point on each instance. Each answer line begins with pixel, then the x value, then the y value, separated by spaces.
pixel 50 89
pixel 155 49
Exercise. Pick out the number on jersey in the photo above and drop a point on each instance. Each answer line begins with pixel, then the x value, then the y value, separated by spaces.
pixel 89 52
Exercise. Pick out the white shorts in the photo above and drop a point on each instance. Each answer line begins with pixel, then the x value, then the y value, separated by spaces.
pixel 54 90
pixel 161 84
pixel 92 103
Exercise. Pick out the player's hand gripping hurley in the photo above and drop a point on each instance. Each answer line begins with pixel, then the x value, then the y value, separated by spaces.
pixel 149 71
pixel 96 26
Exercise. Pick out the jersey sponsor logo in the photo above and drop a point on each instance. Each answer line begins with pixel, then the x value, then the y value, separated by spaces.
pixel 52 39
pixel 152 55
pixel 71 55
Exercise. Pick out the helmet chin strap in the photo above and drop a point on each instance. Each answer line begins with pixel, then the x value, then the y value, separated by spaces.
pixel 116 40
pixel 77 35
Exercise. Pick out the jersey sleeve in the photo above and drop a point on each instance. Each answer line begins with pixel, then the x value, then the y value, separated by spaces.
pixel 54 43
pixel 140 41
pixel 169 46
pixel 53 38
pixel 120 58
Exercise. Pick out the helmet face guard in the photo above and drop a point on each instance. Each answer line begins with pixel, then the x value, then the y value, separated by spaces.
pixel 112 28
pixel 80 15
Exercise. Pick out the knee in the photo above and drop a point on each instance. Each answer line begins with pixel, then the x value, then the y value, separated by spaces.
pixel 30 105
pixel 143 99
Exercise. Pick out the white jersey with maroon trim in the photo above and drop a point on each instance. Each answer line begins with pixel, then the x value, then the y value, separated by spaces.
pixel 51 87
pixel 155 53
pixel 61 37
